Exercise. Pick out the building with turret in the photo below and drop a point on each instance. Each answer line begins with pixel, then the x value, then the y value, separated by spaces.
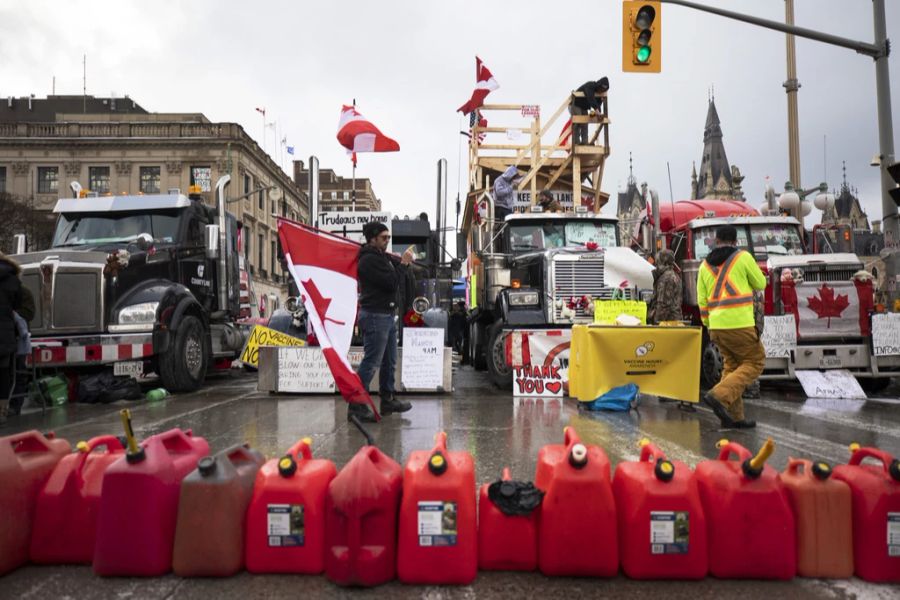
pixel 716 179
pixel 630 206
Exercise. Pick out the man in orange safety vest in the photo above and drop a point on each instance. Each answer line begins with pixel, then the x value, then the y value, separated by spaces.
pixel 725 285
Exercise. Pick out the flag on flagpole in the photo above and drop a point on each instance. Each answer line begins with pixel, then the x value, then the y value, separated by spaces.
pixel 290 150
pixel 324 268
pixel 358 134
pixel 261 110
pixel 484 85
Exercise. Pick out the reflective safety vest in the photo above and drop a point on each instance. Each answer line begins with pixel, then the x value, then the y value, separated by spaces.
pixel 725 293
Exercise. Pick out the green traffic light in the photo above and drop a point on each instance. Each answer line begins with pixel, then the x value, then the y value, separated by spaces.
pixel 643 54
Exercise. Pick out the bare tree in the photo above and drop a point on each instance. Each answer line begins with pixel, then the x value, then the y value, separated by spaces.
pixel 18 215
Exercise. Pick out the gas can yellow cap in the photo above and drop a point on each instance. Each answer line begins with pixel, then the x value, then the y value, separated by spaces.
pixel 437 461
pixel 82 446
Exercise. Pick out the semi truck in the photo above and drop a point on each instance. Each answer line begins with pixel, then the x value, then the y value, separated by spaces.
pixel 139 284
pixel 830 296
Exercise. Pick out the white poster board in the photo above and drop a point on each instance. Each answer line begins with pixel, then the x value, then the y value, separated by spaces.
pixel 779 336
pixel 350 224
pixel 839 383
pixel 886 334
pixel 422 362
pixel 303 369
pixel 538 381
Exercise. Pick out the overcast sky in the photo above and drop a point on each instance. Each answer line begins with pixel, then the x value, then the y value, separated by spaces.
pixel 411 64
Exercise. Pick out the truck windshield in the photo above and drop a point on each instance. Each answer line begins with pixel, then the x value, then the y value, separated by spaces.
pixel 705 241
pixel 107 228
pixel 420 253
pixel 776 239
pixel 558 233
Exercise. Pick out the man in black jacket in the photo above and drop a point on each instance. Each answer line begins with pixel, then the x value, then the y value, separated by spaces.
pixel 10 301
pixel 379 282
pixel 589 105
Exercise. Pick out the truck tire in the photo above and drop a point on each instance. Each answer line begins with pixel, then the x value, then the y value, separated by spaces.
pixel 183 367
pixel 500 372
pixel 711 364
pixel 476 346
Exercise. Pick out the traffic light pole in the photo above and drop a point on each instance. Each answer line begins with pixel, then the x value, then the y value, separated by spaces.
pixel 879 51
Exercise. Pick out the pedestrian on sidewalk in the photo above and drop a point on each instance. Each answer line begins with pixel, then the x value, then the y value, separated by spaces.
pixel 380 276
pixel 667 298
pixel 589 105
pixel 10 301
pixel 725 285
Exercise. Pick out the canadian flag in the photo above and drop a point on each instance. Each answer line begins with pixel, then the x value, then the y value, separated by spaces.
pixel 324 268
pixel 358 134
pixel 484 85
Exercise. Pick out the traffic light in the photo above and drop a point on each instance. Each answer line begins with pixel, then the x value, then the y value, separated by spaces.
pixel 641 36
pixel 894 171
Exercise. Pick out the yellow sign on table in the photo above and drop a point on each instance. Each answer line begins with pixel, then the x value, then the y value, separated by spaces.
pixel 664 361
pixel 606 311
pixel 263 336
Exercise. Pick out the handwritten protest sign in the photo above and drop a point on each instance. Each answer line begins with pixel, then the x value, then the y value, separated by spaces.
pixel 422 362
pixel 606 311
pixel 538 381
pixel 263 336
pixel 839 383
pixel 304 370
pixel 779 336
pixel 886 334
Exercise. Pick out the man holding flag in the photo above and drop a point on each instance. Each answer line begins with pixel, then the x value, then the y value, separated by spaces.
pixel 379 281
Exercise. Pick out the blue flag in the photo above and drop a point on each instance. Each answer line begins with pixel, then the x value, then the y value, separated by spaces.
pixel 290 149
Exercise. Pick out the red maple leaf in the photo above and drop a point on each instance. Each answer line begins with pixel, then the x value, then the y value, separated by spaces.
pixel 319 302
pixel 826 305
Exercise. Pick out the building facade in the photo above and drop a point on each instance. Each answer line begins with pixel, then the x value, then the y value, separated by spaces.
pixel 113 146
pixel 716 179
pixel 631 206
pixel 336 192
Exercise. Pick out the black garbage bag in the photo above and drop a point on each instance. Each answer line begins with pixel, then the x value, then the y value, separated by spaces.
pixel 106 388
pixel 515 498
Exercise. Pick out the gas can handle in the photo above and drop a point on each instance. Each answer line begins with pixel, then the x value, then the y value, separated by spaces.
pixel 857 455
pixel 651 452
pixel 29 441
pixel 85 448
pixel 570 436
pixel 726 449
pixel 506 476
pixel 440 442
pixel 239 454
pixel 302 448
pixel 794 465
pixel 176 440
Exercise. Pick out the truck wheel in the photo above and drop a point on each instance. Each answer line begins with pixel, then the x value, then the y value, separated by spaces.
pixel 873 385
pixel 711 364
pixel 476 346
pixel 500 372
pixel 183 367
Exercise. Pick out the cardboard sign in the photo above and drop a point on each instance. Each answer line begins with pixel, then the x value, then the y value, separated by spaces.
pixel 531 110
pixel 839 383
pixel 538 381
pixel 886 334
pixel 263 336
pixel 606 311
pixel 304 370
pixel 779 336
pixel 350 224
pixel 422 363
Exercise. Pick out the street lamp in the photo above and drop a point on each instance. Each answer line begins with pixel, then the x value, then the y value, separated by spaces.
pixel 793 200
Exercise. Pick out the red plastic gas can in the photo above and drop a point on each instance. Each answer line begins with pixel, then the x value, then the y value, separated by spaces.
pixel 662 527
pixel 505 542
pixel 209 532
pixel 361 520
pixel 749 520
pixel 824 517
pixel 139 505
pixel 26 462
pixel 65 521
pixel 876 513
pixel 577 527
pixel 437 535
pixel 286 517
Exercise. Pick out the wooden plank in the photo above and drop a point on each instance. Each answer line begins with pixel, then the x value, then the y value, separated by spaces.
pixel 502 107
pixel 576 180
pixel 559 171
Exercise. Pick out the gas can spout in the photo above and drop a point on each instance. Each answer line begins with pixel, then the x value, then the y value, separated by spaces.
pixel 753 467
pixel 135 453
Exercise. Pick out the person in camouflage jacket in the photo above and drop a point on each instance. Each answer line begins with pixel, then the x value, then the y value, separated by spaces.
pixel 667 297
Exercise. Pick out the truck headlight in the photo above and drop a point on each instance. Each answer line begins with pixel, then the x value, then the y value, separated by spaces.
pixel 524 298
pixel 137 317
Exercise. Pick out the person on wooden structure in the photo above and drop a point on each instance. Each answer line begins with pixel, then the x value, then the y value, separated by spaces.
pixel 588 105
pixel 505 194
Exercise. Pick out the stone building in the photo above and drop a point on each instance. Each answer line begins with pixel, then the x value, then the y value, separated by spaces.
pixel 846 210
pixel 630 206
pixel 335 192
pixel 114 146
pixel 716 179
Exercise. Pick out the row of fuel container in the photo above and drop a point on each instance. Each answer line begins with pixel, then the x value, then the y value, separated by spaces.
pixel 163 505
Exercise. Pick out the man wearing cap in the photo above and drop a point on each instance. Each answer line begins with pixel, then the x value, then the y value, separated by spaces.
pixel 379 282
pixel 725 285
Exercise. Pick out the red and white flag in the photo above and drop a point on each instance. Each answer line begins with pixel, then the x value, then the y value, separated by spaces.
pixel 358 134
pixel 484 85
pixel 324 268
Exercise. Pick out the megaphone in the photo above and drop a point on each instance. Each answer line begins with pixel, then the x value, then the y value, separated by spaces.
pixel 293 305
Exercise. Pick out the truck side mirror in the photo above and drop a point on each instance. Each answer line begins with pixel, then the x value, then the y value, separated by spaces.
pixel 20 243
pixel 212 241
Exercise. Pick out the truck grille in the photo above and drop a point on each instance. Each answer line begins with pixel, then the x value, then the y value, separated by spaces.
pixel 577 278
pixel 65 301
pixel 841 274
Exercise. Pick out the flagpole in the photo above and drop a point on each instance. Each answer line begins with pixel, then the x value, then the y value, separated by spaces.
pixel 353 178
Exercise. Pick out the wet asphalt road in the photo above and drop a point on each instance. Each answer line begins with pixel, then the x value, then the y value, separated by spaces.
pixel 499 431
